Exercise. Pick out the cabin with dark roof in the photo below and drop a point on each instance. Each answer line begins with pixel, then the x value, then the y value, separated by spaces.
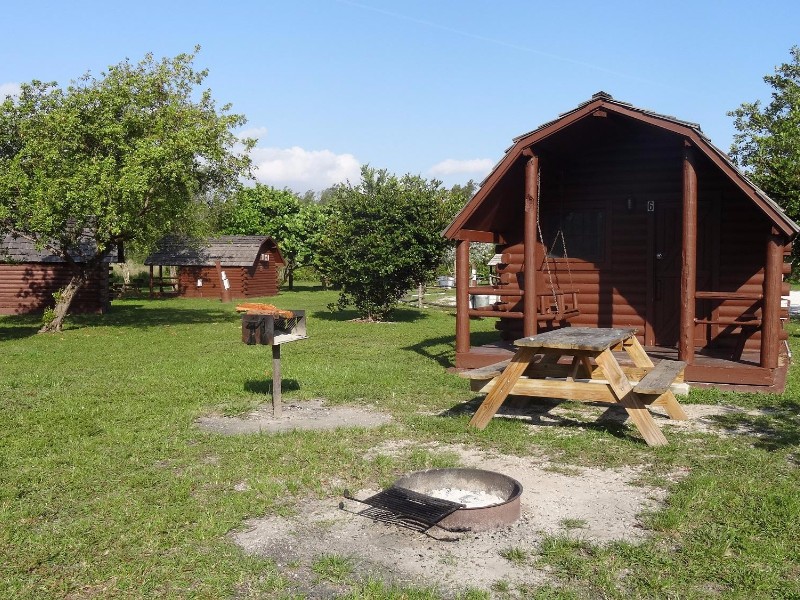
pixel 249 264
pixel 29 277
pixel 630 218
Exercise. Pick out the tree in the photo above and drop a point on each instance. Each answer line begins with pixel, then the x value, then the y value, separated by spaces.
pixel 120 158
pixel 382 237
pixel 767 144
pixel 280 214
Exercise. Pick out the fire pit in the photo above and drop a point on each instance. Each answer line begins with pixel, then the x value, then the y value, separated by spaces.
pixel 453 499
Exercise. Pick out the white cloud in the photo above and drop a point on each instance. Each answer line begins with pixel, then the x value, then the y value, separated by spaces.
pixel 9 89
pixel 303 170
pixel 253 132
pixel 451 166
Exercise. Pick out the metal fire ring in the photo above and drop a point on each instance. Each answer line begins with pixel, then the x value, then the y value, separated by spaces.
pixel 479 518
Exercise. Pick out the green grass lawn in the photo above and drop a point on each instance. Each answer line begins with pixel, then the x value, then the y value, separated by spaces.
pixel 108 490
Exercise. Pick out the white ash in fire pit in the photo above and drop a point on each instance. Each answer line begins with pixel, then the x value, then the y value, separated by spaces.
pixel 469 498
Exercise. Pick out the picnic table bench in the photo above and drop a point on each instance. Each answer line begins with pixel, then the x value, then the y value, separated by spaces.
pixel 592 375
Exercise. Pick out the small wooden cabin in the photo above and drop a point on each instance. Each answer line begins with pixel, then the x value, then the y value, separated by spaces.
pixel 631 219
pixel 250 264
pixel 29 277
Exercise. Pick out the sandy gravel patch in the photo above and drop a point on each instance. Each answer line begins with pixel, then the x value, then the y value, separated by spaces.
pixel 598 505
pixel 313 414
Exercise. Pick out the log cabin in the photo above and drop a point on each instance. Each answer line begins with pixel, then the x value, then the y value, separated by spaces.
pixel 630 218
pixel 29 277
pixel 249 263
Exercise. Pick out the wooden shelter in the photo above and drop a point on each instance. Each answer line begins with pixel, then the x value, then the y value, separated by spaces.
pixel 249 263
pixel 29 277
pixel 631 219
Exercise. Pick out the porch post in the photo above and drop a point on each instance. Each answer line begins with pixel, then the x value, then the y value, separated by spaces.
pixel 688 257
pixel 462 297
pixel 529 321
pixel 771 304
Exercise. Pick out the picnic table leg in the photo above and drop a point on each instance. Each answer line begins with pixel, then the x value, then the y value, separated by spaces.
pixel 505 383
pixel 637 353
pixel 623 391
pixel 671 405
pixel 667 399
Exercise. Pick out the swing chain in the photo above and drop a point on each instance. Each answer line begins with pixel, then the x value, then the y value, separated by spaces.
pixel 566 256
pixel 541 237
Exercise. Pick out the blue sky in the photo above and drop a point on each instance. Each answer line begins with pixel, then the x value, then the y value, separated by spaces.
pixel 437 88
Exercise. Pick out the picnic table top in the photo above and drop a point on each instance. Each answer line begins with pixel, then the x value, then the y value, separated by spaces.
pixel 593 339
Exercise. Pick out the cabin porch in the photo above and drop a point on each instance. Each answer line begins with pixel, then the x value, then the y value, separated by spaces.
pixel 711 367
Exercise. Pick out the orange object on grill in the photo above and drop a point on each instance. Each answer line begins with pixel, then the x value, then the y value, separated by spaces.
pixel 258 308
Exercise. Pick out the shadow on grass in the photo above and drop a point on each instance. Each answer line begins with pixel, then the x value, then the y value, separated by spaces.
pixel 775 428
pixel 264 386
pixel 21 327
pixel 153 315
pixel 302 287
pixel 399 315
pixel 441 349
pixel 536 411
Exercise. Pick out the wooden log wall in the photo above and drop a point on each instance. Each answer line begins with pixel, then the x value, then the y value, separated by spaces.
pixel 260 280
pixel 29 287
pixel 246 282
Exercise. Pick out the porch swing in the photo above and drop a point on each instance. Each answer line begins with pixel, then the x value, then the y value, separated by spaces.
pixel 557 306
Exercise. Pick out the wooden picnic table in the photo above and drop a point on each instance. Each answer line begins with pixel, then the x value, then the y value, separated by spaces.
pixel 608 382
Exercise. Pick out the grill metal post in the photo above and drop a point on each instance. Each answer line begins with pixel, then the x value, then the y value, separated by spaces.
pixel 276 381
pixel 264 324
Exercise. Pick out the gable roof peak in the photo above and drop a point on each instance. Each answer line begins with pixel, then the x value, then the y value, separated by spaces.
pixel 601 95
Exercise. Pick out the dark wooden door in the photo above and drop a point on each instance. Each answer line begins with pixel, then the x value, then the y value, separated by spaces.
pixel 667 273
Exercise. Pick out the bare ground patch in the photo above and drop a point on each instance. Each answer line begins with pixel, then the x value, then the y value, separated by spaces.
pixel 313 414
pixel 597 505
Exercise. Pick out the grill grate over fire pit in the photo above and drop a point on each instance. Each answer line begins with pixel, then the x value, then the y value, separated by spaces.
pixel 453 499
pixel 407 508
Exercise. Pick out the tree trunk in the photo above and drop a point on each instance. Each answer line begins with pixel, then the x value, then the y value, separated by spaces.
pixel 65 297
pixel 291 278
pixel 126 273
pixel 420 294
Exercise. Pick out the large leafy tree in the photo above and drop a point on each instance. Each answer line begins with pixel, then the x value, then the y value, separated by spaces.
pixel 767 144
pixel 119 158
pixel 382 237
pixel 291 221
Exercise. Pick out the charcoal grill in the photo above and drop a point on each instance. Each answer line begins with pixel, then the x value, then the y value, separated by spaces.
pixel 268 328
pixel 409 503
pixel 273 330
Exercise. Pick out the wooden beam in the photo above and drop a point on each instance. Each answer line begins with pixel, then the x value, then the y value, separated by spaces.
pixel 554 388
pixel 529 322
pixel 473 235
pixel 688 258
pixel 462 297
pixel 771 311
